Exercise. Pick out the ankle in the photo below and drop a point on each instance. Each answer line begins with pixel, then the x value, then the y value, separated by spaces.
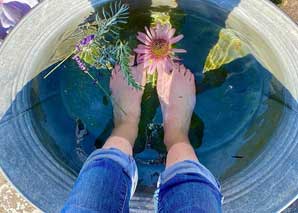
pixel 127 130
pixel 175 136
pixel 180 152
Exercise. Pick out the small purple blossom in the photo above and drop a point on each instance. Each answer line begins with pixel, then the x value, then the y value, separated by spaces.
pixel 87 40
pixel 11 12
pixel 84 42
pixel 80 63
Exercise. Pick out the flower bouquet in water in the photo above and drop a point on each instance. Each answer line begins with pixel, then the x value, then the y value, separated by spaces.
pixel 101 46
pixel 103 49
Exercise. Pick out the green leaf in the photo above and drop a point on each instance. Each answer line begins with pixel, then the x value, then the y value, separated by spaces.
pixel 123 55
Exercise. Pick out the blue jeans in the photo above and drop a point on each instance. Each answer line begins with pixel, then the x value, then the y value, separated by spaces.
pixel 108 180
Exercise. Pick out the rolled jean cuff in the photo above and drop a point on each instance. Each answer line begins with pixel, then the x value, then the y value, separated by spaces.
pixel 188 167
pixel 125 161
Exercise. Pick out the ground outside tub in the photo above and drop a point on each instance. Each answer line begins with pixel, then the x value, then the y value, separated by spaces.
pixel 269 183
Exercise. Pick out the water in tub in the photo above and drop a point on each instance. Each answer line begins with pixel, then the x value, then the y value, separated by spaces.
pixel 233 118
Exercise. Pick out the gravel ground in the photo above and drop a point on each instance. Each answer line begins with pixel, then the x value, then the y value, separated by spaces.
pixel 12 201
pixel 291 8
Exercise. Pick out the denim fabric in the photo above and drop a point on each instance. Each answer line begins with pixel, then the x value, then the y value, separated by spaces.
pixel 188 187
pixel 108 180
pixel 105 184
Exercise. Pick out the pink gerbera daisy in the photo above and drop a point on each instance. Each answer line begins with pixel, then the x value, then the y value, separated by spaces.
pixel 157 52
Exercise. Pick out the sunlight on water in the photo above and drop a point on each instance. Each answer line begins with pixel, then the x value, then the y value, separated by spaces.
pixel 228 48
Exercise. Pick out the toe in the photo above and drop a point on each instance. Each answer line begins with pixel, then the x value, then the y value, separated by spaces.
pixel 139 74
pixel 176 69
pixel 188 74
pixel 192 82
pixel 191 77
pixel 131 60
pixel 183 70
pixel 113 73
pixel 117 68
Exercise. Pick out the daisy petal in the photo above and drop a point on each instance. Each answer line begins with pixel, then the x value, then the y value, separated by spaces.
pixel 141 50
pixel 168 65
pixel 148 32
pixel 171 33
pixel 143 38
pixel 176 39
pixel 148 63
pixel 153 32
pixel 175 58
pixel 162 66
pixel 179 50
pixel 152 68
pixel 142 46
pixel 167 28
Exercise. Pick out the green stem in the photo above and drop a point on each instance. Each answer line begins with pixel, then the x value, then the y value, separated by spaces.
pixel 56 67
pixel 105 92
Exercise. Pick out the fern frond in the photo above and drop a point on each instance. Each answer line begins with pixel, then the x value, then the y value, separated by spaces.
pixel 116 14
pixel 123 53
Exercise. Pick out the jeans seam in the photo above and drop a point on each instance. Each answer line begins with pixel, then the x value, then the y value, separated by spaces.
pixel 126 192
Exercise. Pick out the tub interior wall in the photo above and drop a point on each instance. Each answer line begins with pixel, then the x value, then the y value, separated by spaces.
pixel 62 47
pixel 51 46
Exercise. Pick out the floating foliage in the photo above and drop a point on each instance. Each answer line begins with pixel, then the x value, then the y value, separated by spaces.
pixel 122 53
pixel 117 14
pixel 103 49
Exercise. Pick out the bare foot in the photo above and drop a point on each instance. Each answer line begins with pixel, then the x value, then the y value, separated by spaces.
pixel 127 99
pixel 176 93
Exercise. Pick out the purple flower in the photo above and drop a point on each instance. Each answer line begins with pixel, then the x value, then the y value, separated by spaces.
pixel 80 63
pixel 87 40
pixel 84 42
pixel 11 12
pixel 2 32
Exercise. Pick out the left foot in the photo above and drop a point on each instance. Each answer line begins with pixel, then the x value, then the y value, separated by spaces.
pixel 127 99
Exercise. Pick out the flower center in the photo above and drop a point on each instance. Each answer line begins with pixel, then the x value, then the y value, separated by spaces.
pixel 160 48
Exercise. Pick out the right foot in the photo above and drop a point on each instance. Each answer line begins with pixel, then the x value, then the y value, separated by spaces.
pixel 176 92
